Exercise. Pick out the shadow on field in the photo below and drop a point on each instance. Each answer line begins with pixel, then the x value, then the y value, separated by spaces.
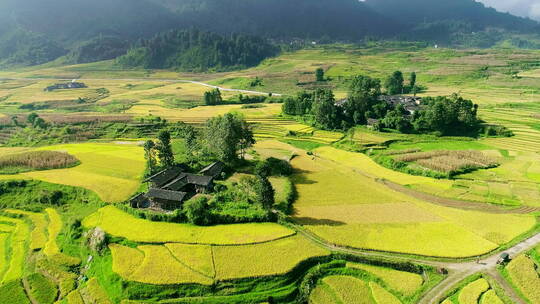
pixel 317 222
pixel 301 177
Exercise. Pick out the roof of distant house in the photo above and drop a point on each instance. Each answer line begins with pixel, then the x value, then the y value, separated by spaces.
pixel 166 194
pixel 163 177
pixel 199 180
pixel 213 169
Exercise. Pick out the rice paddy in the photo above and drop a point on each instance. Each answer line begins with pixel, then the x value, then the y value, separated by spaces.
pixel 342 289
pixel 471 293
pixel 113 171
pixel 523 274
pixel 406 283
pixel 118 223
pixel 174 263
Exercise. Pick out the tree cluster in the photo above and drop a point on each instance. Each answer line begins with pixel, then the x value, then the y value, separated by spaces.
pixel 194 50
pixel 213 97
pixel 395 84
pixel 159 154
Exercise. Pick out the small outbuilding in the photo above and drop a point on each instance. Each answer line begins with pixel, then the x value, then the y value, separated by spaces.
pixel 214 170
pixel 166 199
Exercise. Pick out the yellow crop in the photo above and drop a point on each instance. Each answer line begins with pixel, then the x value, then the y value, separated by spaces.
pixel 402 281
pixel 160 267
pixel 39 232
pixel 18 250
pixel 471 293
pixel 490 297
pixel 522 272
pixel 196 257
pixel 350 290
pixel 272 258
pixel 55 225
pixel 121 224
pixel 381 295
pixel 125 260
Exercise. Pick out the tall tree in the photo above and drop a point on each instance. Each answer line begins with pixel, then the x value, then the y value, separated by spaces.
pixel 325 111
pixel 149 146
pixel 265 192
pixel 394 83
pixel 319 74
pixel 164 148
pixel 225 136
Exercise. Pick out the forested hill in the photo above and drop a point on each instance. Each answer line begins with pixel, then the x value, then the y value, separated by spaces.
pixel 194 50
pixel 470 13
pixel 37 31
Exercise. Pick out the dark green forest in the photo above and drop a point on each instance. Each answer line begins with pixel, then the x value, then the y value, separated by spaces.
pixel 34 31
pixel 193 50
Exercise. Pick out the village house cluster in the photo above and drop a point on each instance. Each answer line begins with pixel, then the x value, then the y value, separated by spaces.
pixel 168 189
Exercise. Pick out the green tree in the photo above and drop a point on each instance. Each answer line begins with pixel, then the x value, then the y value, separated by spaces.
pixel 394 83
pixel 319 74
pixel 324 110
pixel 32 118
pixel 265 192
pixel 363 97
pixel 225 136
pixel 149 154
pixel 213 97
pixel 412 81
pixel 196 211
pixel 164 148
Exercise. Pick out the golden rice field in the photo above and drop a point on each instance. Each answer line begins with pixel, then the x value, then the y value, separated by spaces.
pixel 38 237
pixel 338 210
pixel 342 289
pixel 113 171
pixel 55 225
pixel 523 274
pixel 490 297
pixel 118 223
pixel 404 282
pixel 381 295
pixel 471 293
pixel 174 263
pixel 18 248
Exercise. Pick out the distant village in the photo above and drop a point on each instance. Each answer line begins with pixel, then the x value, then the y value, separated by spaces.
pixel 64 86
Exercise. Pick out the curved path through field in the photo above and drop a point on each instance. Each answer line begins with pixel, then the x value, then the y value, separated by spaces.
pixel 457 271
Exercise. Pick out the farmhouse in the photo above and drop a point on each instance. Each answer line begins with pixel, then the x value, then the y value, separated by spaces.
pixel 65 86
pixel 171 187
pixel 410 103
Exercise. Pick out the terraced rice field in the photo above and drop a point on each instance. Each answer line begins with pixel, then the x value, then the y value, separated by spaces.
pixel 386 220
pixel 118 223
pixel 523 274
pixel 113 171
pixel 174 263
pixel 406 283
pixel 342 289
pixel 476 292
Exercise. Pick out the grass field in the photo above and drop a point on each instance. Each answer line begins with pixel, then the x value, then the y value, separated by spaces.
pixel 121 224
pixel 113 171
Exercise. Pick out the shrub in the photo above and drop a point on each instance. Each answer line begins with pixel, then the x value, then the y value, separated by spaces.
pixel 196 210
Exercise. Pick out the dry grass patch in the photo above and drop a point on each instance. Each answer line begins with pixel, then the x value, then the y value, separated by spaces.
pixel 273 258
pixel 405 282
pixel 37 160
pixel 121 224
pixel 449 161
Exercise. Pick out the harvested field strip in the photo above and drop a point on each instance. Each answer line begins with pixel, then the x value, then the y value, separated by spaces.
pixel 273 258
pixel 524 275
pixel 381 295
pixel 350 290
pixel 160 267
pixel 39 232
pixel 471 293
pixel 121 224
pixel 404 282
pixel 55 225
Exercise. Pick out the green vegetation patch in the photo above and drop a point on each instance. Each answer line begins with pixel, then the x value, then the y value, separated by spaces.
pixel 42 289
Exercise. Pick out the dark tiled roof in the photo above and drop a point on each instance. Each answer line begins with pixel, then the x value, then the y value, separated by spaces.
pixel 178 183
pixel 161 178
pixel 166 194
pixel 139 198
pixel 214 169
pixel 199 180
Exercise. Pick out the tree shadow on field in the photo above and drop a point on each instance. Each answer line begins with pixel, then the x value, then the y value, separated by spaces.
pixel 301 177
pixel 317 222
